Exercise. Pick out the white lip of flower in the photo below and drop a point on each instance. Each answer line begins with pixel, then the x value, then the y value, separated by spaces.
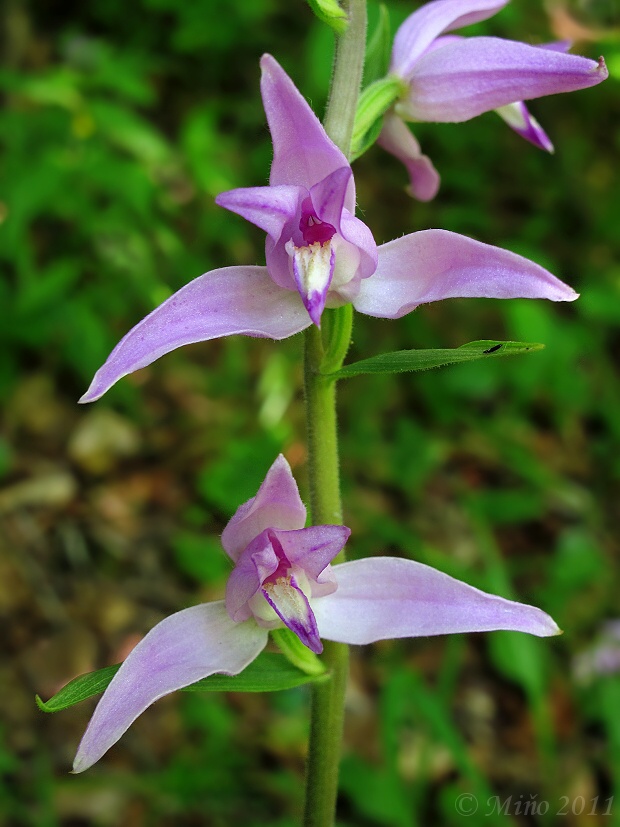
pixel 313 264
pixel 284 595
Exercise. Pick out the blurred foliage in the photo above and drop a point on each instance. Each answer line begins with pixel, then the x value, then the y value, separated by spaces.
pixel 120 124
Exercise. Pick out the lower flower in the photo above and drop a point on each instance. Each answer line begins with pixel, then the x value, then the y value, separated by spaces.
pixel 283 577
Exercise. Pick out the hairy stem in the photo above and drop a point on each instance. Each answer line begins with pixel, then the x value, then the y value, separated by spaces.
pixel 347 77
pixel 327 716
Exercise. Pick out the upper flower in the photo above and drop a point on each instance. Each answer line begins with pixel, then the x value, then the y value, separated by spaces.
pixel 451 79
pixel 283 576
pixel 315 244
pixel 318 254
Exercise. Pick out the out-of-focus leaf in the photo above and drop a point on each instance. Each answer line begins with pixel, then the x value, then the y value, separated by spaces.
pixel 130 132
pixel 374 102
pixel 378 49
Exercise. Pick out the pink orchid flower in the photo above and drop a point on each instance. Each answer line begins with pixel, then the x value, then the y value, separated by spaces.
pixel 283 577
pixel 450 79
pixel 318 255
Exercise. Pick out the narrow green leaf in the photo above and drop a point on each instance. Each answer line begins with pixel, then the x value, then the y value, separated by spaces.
pixel 80 688
pixel 330 12
pixel 270 672
pixel 408 360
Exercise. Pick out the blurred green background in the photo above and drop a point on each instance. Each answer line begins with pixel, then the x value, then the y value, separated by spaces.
pixel 120 124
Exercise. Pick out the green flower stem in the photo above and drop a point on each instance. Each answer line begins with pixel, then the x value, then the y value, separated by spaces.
pixel 322 434
pixel 327 716
pixel 347 77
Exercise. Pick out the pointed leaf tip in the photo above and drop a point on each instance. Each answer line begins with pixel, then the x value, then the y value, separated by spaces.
pixel 270 672
pixel 402 361
pixel 79 689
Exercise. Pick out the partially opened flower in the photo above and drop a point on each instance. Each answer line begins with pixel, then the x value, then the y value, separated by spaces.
pixel 318 255
pixel 449 79
pixel 283 577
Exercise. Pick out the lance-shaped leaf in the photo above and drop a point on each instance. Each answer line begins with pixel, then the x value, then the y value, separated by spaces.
pixel 270 672
pixel 404 361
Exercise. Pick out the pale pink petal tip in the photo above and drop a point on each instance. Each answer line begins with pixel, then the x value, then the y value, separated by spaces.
pixel 277 504
pixel 386 597
pixel 520 119
pixel 182 649
pixel 225 302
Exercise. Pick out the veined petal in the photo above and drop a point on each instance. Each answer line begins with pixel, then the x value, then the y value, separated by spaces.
pixel 183 648
pixel 474 75
pixel 432 265
pixel 312 549
pixel 397 139
pixel 257 562
pixel 358 234
pixel 224 302
pixel 313 268
pixel 303 154
pixel 270 208
pixel 292 607
pixel 429 21
pixel 387 597
pixel 277 504
pixel 519 118
pixel 328 196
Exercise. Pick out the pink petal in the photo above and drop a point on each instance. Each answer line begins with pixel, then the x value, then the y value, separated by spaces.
pixel 269 208
pixel 257 562
pixel 361 248
pixel 428 22
pixel 312 549
pixel 520 119
pixel 474 75
pixel 432 265
pixel 276 505
pixel 397 139
pixel 292 607
pixel 387 597
pixel 328 196
pixel 224 302
pixel 303 154
pixel 309 550
pixel 182 649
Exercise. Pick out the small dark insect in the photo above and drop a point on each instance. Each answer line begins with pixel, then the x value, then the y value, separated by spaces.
pixel 492 349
